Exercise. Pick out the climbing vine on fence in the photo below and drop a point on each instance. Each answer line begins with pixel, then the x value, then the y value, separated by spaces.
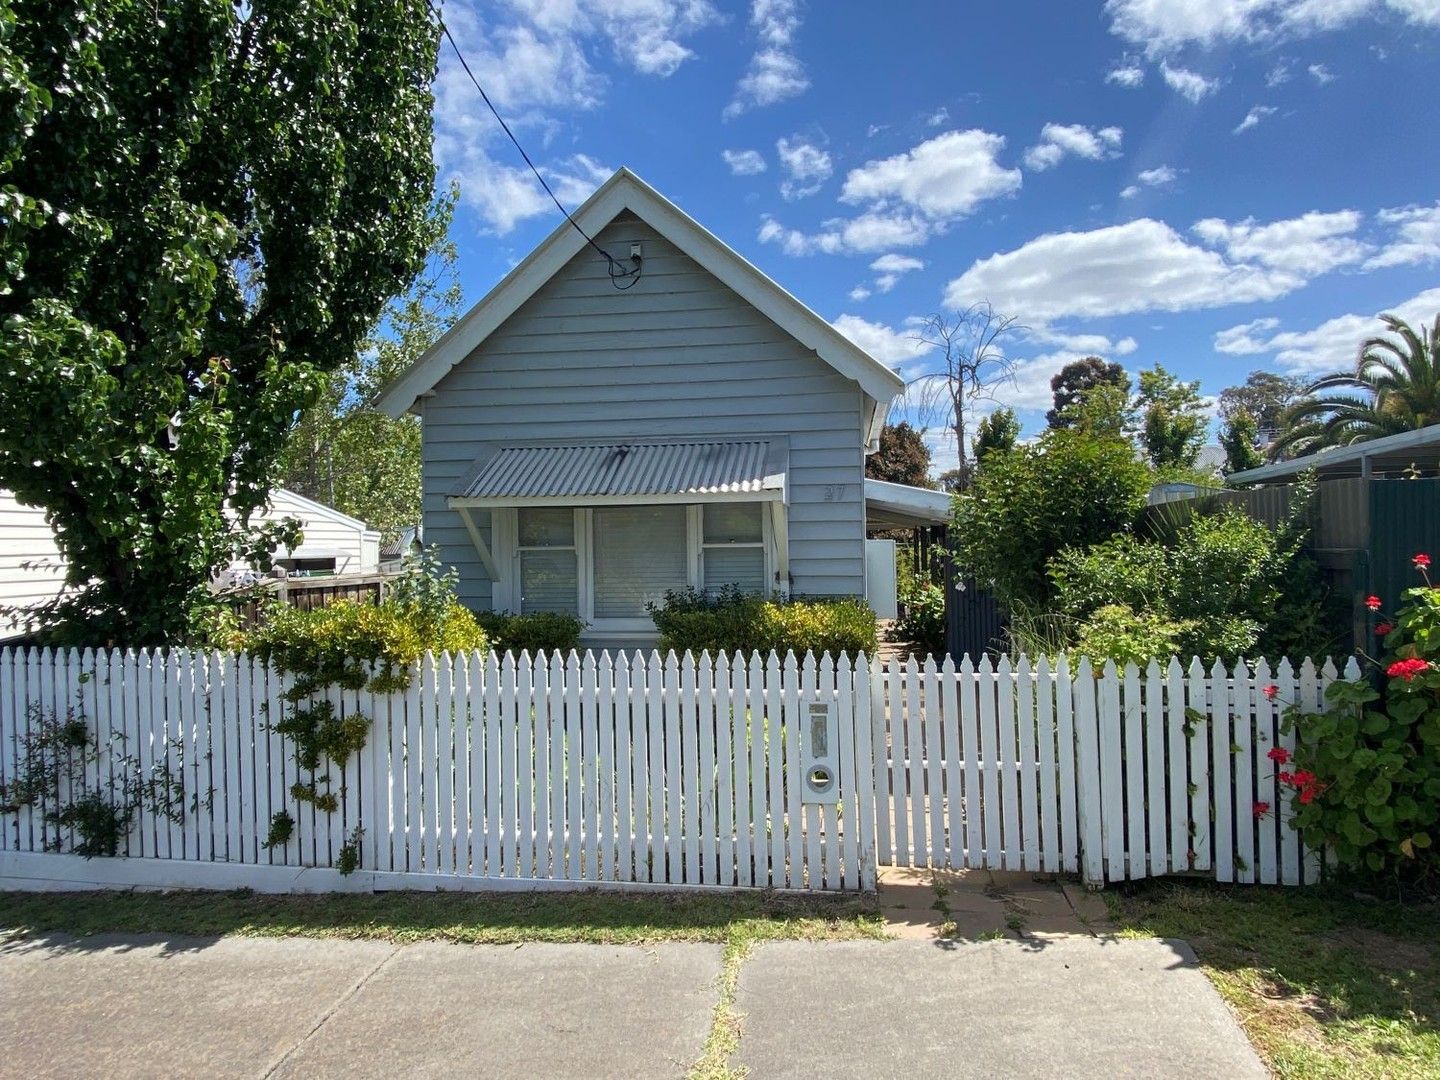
pixel 351 646
pixel 88 791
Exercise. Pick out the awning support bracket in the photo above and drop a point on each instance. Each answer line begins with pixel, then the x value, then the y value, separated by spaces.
pixel 482 549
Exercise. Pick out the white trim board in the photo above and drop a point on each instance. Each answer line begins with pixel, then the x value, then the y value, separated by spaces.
pixel 626 191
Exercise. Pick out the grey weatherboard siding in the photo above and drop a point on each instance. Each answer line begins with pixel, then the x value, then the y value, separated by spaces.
pixel 678 354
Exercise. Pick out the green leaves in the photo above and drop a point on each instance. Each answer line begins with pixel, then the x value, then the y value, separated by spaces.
pixel 205 208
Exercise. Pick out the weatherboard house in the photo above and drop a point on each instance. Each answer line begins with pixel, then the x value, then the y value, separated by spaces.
pixel 596 435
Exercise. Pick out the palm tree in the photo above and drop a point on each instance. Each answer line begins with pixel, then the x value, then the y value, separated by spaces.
pixel 1395 387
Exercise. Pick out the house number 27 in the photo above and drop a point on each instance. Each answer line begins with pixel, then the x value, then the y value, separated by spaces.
pixel 835 492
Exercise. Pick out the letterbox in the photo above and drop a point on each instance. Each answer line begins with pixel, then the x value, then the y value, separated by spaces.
pixel 819 755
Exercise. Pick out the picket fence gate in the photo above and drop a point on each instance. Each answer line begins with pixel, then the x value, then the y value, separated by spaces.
pixel 1110 773
pixel 483 772
pixel 640 771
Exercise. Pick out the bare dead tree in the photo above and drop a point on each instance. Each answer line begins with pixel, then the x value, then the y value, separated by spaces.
pixel 968 366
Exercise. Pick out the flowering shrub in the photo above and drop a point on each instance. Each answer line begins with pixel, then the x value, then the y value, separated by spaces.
pixel 1366 782
pixel 733 621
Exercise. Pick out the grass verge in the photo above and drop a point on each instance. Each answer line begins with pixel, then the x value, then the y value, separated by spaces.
pixel 1327 982
pixel 476 918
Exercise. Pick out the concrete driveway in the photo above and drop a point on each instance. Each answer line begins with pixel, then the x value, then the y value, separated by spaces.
pixel 252 1007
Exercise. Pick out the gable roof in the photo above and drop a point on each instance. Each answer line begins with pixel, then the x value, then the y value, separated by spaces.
pixel 626 191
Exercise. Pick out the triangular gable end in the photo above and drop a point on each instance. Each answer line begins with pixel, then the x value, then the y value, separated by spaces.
pixel 626 191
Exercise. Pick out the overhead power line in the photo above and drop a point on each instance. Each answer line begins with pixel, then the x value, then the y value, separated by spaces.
pixel 618 272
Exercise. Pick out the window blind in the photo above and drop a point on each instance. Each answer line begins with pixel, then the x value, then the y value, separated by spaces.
pixel 640 552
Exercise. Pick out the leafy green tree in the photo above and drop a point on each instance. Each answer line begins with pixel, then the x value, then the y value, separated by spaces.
pixel 205 205
pixel 903 457
pixel 1076 379
pixel 1239 438
pixel 996 434
pixel 1265 396
pixel 1103 412
pixel 1172 420
pixel 1395 387
pixel 346 453
pixel 1068 489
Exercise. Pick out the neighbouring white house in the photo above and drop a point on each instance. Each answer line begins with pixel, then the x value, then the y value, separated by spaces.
pixel 32 570
pixel 591 442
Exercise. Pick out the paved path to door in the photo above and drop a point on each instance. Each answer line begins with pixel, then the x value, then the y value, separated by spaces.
pixel 1077 1006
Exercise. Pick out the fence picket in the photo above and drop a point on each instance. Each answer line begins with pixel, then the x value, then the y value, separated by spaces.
pixel 624 826
pixel 755 729
pixel 1267 868
pixel 1110 724
pixel 864 815
pixel 987 688
pixel 1157 744
pixel 574 766
pixel 1045 737
pixel 1026 770
pixel 540 737
pixel 733 757
pixel 790 725
pixel 1221 738
pixel 932 725
pixel 1178 767
pixel 1068 764
pixel 524 758
pixel 1201 825
pixel 1242 712
pixel 655 733
pixel 897 754
pixel 775 772
pixel 950 749
pixel 1290 852
pixel 1133 759
pixel 705 720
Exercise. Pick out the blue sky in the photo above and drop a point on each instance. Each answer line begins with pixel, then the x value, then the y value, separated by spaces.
pixel 1214 185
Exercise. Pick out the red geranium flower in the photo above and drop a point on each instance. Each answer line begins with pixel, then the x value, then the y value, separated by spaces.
pixel 1303 777
pixel 1373 603
pixel 1270 691
pixel 1307 794
pixel 1407 669
pixel 1421 561
pixel 1383 629
pixel 1279 755
pixel 1261 809
pixel 1285 777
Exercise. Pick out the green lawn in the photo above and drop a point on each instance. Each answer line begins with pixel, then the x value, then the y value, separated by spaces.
pixel 1328 982
pixel 494 918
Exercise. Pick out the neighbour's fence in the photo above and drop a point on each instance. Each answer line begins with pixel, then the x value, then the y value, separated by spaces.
pixel 306 593
pixel 482 772
pixel 1112 773
pixel 640 771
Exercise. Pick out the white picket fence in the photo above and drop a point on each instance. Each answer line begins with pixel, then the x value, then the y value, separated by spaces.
pixel 482 773
pixel 1112 774
pixel 642 771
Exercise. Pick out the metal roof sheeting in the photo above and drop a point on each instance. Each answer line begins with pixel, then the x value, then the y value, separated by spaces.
pixel 625 470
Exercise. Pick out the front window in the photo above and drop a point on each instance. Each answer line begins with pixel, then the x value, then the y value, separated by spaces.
pixel 641 552
pixel 549 577
pixel 733 547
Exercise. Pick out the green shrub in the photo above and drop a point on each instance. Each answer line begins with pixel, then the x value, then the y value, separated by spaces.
pixel 922 618
pixel 549 632
pixel 1223 584
pixel 1364 783
pixel 354 645
pixel 732 621
pixel 1072 488
pixel 1120 633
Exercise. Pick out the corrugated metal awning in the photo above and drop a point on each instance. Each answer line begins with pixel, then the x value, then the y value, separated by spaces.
pixel 572 474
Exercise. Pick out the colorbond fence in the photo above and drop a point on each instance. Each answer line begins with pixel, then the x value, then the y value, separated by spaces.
pixel 643 771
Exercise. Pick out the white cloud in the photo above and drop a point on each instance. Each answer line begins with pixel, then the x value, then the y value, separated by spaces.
pixel 1161 27
pixel 889 269
pixel 938 117
pixel 884 343
pixel 1127 73
pixel 1143 265
pixel 1159 176
pixel 744 162
pixel 1320 73
pixel 1057 141
pixel 775 72
pixel 864 235
pixel 1416 237
pixel 944 178
pixel 858 293
pixel 1190 85
pixel 1307 245
pixel 1081 344
pixel 1282 72
pixel 1253 118
pixel 807 167
pixel 532 60
pixel 1331 346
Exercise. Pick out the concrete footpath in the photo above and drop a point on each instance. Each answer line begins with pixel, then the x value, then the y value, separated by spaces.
pixel 1077 1007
